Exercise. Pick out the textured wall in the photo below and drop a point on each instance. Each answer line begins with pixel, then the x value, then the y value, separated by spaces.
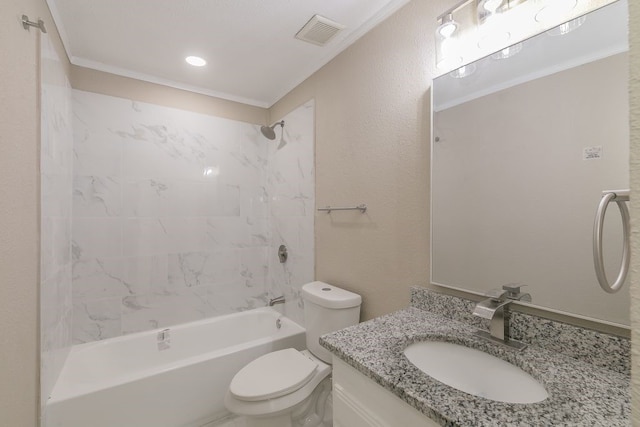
pixel 110 84
pixel 19 215
pixel 634 83
pixel 372 146
pixel 19 241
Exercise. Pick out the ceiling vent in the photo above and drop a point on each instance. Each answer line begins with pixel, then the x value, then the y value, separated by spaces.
pixel 319 30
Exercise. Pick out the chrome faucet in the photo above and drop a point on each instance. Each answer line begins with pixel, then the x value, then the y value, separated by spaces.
pixel 496 309
pixel 276 300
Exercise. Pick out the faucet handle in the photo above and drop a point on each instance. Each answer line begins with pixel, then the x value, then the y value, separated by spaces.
pixel 495 294
pixel 513 288
pixel 513 292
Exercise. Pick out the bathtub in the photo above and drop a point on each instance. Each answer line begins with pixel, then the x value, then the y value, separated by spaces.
pixel 175 377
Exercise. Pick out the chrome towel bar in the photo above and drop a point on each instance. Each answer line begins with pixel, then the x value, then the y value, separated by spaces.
pixel 362 208
pixel 620 197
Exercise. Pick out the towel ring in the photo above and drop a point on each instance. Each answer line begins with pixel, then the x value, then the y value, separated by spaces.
pixel 620 197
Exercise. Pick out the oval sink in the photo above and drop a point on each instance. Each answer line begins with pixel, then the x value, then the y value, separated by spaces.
pixel 475 372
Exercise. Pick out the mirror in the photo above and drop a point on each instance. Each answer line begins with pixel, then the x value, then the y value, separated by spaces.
pixel 523 147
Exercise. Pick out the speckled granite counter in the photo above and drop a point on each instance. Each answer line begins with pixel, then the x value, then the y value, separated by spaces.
pixel 585 373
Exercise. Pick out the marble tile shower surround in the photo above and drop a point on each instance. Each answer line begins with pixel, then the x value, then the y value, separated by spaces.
pixel 176 214
pixel 596 348
pixel 291 190
pixel 55 200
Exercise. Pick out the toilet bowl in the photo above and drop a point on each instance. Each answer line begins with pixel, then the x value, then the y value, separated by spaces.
pixel 292 388
pixel 280 386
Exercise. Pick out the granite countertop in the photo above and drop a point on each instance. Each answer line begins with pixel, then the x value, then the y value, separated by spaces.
pixel 581 393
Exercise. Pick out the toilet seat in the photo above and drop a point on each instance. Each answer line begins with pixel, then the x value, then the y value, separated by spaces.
pixel 272 375
pixel 285 402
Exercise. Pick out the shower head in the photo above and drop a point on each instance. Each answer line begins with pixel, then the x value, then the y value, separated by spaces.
pixel 269 132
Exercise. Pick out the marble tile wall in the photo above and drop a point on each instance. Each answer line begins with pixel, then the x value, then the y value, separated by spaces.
pixel 291 190
pixel 56 160
pixel 172 216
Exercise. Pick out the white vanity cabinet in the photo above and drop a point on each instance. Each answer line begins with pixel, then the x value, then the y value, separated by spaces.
pixel 359 402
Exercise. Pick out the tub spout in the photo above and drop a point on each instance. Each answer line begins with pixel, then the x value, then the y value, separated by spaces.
pixel 276 300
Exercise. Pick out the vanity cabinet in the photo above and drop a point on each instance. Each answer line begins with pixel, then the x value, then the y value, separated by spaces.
pixel 360 402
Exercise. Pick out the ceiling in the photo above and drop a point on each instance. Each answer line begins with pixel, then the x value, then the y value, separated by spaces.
pixel 250 46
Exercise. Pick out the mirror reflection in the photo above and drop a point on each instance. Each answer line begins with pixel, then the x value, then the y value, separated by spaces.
pixel 524 143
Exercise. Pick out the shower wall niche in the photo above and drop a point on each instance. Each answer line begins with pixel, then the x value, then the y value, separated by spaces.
pixel 176 214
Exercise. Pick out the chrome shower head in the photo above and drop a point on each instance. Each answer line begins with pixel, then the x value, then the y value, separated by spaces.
pixel 269 132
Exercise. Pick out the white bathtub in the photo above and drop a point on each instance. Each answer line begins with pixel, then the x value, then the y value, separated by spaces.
pixel 136 381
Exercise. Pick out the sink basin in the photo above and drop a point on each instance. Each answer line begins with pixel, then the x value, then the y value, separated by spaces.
pixel 475 372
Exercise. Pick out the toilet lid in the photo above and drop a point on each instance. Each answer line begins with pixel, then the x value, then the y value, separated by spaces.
pixel 272 375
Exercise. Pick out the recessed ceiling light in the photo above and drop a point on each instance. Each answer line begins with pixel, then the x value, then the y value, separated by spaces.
pixel 196 61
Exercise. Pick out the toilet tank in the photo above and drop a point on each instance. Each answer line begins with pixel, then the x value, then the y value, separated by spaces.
pixel 327 308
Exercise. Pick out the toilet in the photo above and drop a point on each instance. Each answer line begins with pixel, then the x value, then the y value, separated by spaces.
pixel 292 388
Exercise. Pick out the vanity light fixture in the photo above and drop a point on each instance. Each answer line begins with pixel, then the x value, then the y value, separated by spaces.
pixel 508 52
pixel 447 54
pixel 494 37
pixel 489 8
pixel 553 10
pixel 473 29
pixel 448 26
pixel 492 32
pixel 196 61
pixel 447 49
pixel 464 71
pixel 567 27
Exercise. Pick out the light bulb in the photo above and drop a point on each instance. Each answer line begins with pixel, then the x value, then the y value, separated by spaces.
pixel 448 26
pixel 464 71
pixel 448 56
pixel 567 27
pixel 491 5
pixel 508 52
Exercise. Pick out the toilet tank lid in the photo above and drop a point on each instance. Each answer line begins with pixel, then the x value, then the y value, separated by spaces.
pixel 330 296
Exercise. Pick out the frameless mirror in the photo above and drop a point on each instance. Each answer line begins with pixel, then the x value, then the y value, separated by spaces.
pixel 524 143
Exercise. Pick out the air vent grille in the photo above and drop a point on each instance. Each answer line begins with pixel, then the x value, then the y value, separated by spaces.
pixel 319 30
